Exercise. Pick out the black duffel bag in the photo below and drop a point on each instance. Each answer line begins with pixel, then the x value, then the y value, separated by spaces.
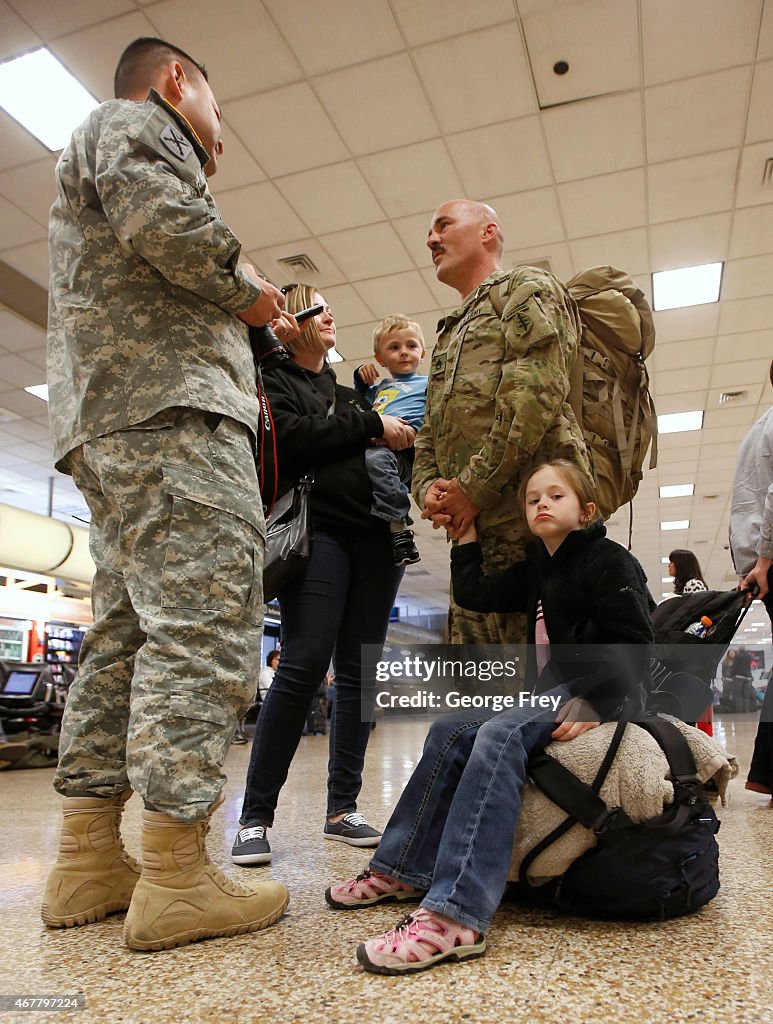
pixel 651 870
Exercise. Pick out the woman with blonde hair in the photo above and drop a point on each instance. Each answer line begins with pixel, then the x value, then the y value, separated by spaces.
pixel 342 598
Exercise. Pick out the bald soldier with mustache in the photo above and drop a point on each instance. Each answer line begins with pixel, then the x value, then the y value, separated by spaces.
pixel 497 398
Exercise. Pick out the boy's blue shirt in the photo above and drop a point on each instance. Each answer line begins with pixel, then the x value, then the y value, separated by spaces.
pixel 404 396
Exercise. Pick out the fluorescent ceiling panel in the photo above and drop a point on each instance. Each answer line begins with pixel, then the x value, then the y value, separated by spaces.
pixel 677 491
pixel 39 391
pixel 689 286
pixel 42 95
pixel 673 422
pixel 675 524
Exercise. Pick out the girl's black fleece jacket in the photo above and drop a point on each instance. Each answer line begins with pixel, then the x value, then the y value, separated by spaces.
pixel 593 592
pixel 331 446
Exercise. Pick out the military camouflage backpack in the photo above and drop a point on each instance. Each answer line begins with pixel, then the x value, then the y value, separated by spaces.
pixel 609 391
pixel 610 387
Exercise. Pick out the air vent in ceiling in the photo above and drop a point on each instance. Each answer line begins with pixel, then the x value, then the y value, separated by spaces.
pixel 299 264
pixel 731 396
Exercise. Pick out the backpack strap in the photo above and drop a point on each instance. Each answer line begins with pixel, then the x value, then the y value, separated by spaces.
pixel 681 763
pixel 497 299
pixel 576 375
pixel 498 296
pixel 581 801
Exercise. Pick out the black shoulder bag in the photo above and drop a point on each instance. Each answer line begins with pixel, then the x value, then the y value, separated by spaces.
pixel 289 532
pixel 288 538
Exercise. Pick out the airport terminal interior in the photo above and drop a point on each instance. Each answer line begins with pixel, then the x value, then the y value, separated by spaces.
pixel 631 133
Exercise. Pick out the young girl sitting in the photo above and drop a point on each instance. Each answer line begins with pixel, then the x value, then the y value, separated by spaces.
pixel 449 840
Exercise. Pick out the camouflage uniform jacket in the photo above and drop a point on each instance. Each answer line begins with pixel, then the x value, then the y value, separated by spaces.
pixel 497 395
pixel 145 281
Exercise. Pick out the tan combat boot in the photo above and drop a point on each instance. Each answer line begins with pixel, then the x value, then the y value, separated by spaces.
pixel 93 876
pixel 183 897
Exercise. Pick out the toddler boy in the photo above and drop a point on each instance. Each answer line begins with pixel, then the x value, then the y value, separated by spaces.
pixel 398 345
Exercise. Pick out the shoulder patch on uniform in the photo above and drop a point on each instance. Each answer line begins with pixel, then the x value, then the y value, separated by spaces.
pixel 175 142
pixel 521 320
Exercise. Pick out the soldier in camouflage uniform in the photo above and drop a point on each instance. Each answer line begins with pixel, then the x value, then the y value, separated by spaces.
pixel 497 398
pixel 153 409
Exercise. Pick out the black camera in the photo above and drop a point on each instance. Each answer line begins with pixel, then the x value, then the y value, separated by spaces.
pixel 267 349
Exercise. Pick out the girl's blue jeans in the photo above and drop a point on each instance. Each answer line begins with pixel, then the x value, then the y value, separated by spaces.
pixel 452 830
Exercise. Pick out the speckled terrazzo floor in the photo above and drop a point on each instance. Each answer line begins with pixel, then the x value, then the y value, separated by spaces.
pixel 713 967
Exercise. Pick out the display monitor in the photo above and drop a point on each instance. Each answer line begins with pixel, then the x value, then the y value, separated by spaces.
pixel 20 684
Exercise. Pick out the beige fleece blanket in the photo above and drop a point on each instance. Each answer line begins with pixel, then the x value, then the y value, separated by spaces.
pixel 637 781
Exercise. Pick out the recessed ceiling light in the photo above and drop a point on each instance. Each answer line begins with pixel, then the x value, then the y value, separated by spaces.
pixel 666 579
pixel 677 490
pixel 665 560
pixel 673 422
pixel 666 593
pixel 42 95
pixel 39 391
pixel 689 286
pixel 335 357
pixel 675 524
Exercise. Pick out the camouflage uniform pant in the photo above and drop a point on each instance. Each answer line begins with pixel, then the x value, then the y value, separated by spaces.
pixel 501 544
pixel 171 661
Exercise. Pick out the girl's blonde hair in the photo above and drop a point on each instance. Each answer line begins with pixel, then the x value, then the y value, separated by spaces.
pixel 576 478
pixel 301 296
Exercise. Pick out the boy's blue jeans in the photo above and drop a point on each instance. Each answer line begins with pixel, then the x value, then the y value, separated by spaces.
pixel 453 828
pixel 390 495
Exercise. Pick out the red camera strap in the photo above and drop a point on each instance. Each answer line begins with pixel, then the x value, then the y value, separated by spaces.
pixel 266 437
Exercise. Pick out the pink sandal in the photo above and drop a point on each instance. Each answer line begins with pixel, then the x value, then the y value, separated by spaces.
pixel 419 941
pixel 368 888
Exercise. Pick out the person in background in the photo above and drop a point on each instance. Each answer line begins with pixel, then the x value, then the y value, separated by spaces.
pixel 743 681
pixel 684 567
pixel 267 673
pixel 330 693
pixel 153 411
pixel 337 608
pixel 751 545
pixel 316 718
pixel 398 345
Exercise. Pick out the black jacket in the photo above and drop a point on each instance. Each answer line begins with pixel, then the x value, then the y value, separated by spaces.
pixel 332 446
pixel 593 592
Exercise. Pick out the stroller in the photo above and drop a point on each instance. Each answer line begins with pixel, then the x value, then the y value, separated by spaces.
pixel 684 666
